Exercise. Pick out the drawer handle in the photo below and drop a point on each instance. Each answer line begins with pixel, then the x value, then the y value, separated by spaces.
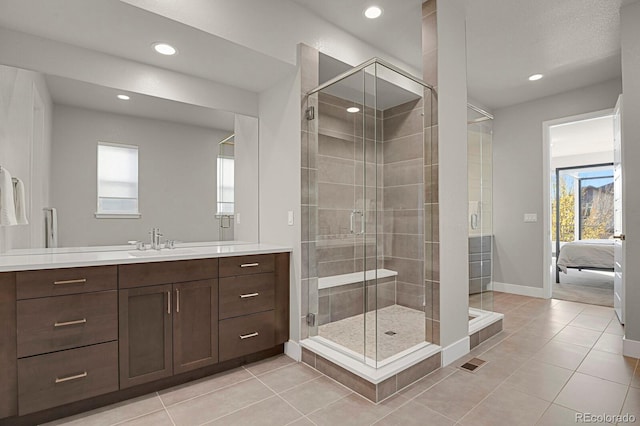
pixel 248 295
pixel 64 324
pixel 69 378
pixel 248 336
pixel 80 281
pixel 249 265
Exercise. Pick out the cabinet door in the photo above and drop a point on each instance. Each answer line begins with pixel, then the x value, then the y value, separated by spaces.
pixel 145 334
pixel 8 365
pixel 195 325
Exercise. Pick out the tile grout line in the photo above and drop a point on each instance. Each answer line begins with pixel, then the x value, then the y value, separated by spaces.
pixel 165 409
pixel 204 393
pixel 285 401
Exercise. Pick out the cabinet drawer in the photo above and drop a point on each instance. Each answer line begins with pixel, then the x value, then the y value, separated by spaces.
pixel 58 282
pixel 154 273
pixel 245 265
pixel 246 294
pixel 244 335
pixel 64 322
pixel 59 378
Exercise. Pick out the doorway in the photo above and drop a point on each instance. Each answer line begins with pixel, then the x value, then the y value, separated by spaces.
pixel 579 198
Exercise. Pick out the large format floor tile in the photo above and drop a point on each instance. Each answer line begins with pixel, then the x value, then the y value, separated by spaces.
pixel 554 361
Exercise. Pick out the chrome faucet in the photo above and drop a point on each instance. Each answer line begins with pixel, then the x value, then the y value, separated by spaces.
pixel 155 238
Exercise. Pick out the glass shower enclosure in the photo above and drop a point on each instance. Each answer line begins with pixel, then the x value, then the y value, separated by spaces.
pixel 480 224
pixel 368 197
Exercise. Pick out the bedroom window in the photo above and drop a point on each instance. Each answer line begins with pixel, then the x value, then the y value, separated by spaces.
pixel 585 201
pixel 117 181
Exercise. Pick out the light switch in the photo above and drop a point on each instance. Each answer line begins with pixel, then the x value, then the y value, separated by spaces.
pixel 238 218
pixel 530 217
pixel 290 218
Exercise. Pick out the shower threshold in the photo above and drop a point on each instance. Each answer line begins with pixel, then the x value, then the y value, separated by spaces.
pixel 367 370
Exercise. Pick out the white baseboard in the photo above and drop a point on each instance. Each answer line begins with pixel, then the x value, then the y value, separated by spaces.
pixel 630 348
pixel 455 350
pixel 521 290
pixel 293 350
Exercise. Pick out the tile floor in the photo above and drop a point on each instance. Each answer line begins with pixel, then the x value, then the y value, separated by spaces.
pixel 553 360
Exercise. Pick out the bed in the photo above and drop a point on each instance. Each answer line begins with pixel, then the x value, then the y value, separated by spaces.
pixel 586 254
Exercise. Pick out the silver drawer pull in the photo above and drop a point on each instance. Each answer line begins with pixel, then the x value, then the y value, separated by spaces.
pixel 69 378
pixel 247 336
pixel 248 295
pixel 249 265
pixel 64 324
pixel 80 281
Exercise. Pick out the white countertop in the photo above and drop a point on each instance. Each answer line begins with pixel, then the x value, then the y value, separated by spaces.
pixel 25 261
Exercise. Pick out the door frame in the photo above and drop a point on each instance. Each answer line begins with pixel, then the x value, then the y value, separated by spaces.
pixel 548 275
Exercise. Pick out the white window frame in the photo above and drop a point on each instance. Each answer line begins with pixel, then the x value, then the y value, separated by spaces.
pixel 111 215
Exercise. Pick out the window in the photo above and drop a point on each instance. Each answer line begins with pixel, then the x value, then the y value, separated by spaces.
pixel 225 185
pixel 117 180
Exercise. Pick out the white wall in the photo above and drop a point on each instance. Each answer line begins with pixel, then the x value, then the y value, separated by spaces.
pixel 280 155
pixel 18 89
pixel 630 35
pixel 177 178
pixel 246 152
pixel 452 169
pixel 518 177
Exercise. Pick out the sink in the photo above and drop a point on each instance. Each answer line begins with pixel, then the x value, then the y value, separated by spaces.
pixel 163 252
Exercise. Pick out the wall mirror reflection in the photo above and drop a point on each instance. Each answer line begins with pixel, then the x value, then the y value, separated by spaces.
pixel 103 167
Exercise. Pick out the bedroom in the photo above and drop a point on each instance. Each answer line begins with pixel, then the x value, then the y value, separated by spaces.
pixel 582 208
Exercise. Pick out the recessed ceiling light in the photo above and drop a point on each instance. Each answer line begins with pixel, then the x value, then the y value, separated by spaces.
pixel 164 49
pixel 123 97
pixel 373 12
pixel 353 109
pixel 535 77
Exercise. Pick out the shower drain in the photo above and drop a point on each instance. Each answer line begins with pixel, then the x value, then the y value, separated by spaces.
pixel 472 364
pixel 390 333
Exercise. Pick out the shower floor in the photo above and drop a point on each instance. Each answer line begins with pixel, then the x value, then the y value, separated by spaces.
pixel 407 324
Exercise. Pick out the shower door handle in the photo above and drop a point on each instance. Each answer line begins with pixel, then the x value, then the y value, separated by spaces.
pixel 353 222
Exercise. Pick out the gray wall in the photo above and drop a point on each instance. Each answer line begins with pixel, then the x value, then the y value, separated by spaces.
pixel 246 177
pixel 177 177
pixel 518 177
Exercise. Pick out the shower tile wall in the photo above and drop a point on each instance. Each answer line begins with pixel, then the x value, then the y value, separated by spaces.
pixel 404 192
pixel 340 174
pixel 431 206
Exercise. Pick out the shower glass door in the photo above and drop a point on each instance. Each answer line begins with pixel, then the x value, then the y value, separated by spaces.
pixel 341 243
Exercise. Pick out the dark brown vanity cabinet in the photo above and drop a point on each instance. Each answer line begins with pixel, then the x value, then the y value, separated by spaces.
pixel 169 328
pixel 72 334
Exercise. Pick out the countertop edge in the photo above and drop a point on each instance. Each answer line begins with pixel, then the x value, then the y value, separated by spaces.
pixel 86 259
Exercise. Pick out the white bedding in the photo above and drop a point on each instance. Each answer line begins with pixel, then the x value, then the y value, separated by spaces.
pixel 586 254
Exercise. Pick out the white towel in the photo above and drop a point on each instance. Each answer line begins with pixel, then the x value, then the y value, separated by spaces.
pixel 7 203
pixel 19 201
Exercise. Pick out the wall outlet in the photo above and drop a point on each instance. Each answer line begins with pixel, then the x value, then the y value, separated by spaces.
pixel 290 218
pixel 530 217
pixel 238 218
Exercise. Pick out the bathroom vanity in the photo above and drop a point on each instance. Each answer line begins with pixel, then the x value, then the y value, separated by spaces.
pixel 82 330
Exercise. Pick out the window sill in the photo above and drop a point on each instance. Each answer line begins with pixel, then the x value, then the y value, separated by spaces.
pixel 118 215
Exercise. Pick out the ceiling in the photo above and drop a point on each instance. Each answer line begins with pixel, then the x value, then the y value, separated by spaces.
pixel 119 29
pixel 574 43
pixel 75 93
pixel 582 137
pixel 398 32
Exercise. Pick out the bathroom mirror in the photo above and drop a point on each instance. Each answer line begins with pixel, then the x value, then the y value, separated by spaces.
pixel 114 168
